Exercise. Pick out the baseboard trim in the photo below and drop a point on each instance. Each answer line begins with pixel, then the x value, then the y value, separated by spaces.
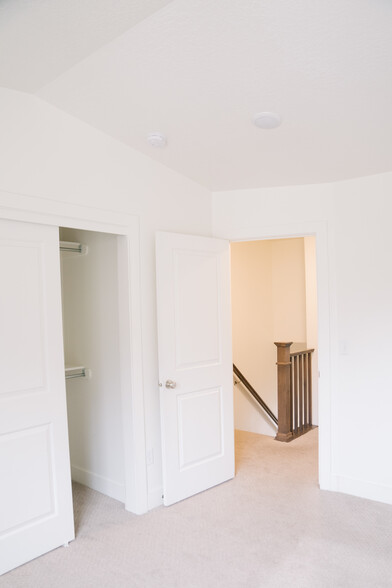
pixel 99 483
pixel 363 489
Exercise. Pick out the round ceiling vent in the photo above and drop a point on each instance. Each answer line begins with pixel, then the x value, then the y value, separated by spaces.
pixel 267 120
pixel 157 140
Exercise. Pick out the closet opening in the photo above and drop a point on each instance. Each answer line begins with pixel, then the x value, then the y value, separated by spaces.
pixel 91 299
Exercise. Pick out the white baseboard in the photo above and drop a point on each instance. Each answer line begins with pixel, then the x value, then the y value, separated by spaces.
pixel 363 489
pixel 155 498
pixel 99 483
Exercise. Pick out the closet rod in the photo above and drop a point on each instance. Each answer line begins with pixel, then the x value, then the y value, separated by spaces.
pixel 79 373
pixel 71 247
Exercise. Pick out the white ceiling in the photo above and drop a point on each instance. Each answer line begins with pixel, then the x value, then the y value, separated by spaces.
pixel 198 70
pixel 40 39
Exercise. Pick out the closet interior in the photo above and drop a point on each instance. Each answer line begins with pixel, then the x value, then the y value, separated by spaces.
pixel 90 306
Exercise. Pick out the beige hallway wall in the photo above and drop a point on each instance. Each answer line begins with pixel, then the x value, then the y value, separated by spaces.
pixel 268 304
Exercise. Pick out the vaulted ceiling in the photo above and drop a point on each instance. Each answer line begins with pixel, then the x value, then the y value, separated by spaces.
pixel 199 70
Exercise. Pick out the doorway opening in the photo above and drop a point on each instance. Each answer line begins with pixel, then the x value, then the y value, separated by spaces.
pixel 35 448
pixel 274 299
pixel 91 333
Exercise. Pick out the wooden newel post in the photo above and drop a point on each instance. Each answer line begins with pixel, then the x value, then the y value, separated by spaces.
pixel 285 432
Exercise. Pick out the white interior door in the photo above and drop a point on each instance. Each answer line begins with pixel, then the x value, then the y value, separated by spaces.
pixel 35 489
pixel 195 356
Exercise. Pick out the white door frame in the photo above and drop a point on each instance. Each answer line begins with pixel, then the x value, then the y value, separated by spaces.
pixel 319 230
pixel 48 212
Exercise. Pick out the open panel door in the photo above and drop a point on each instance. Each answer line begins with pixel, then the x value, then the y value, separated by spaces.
pixel 195 363
pixel 35 484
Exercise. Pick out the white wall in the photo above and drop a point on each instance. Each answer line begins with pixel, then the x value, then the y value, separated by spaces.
pixel 355 217
pixel 91 339
pixel 48 154
pixel 268 304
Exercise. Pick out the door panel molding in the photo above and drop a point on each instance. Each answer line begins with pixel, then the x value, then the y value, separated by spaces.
pixel 35 490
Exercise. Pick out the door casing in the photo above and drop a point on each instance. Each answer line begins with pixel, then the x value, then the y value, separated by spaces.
pixel 326 324
pixel 42 211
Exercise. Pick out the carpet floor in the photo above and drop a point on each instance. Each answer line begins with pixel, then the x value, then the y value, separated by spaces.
pixel 270 527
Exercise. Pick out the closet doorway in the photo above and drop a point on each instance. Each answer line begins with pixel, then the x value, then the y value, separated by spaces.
pixel 36 513
pixel 91 332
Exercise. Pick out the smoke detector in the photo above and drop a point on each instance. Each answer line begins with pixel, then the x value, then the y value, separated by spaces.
pixel 157 140
pixel 267 120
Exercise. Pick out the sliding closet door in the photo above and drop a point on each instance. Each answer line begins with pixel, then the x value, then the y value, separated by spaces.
pixel 35 490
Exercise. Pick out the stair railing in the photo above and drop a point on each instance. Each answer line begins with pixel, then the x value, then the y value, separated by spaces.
pixel 294 392
pixel 255 395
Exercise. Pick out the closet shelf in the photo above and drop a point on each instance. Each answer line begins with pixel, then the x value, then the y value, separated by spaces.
pixel 75 372
pixel 71 247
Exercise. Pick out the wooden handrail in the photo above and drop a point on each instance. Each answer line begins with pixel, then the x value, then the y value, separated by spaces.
pixel 255 395
pixel 301 352
pixel 294 392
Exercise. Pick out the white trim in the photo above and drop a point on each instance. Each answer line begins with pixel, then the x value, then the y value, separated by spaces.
pixel 362 489
pixel 326 318
pixel 32 209
pixel 99 483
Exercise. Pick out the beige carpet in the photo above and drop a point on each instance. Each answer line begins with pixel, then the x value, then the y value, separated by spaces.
pixel 270 527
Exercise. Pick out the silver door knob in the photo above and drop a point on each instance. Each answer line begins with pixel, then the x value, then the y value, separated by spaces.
pixel 170 384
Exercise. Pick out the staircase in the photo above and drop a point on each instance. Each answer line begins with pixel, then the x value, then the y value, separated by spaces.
pixel 294 392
